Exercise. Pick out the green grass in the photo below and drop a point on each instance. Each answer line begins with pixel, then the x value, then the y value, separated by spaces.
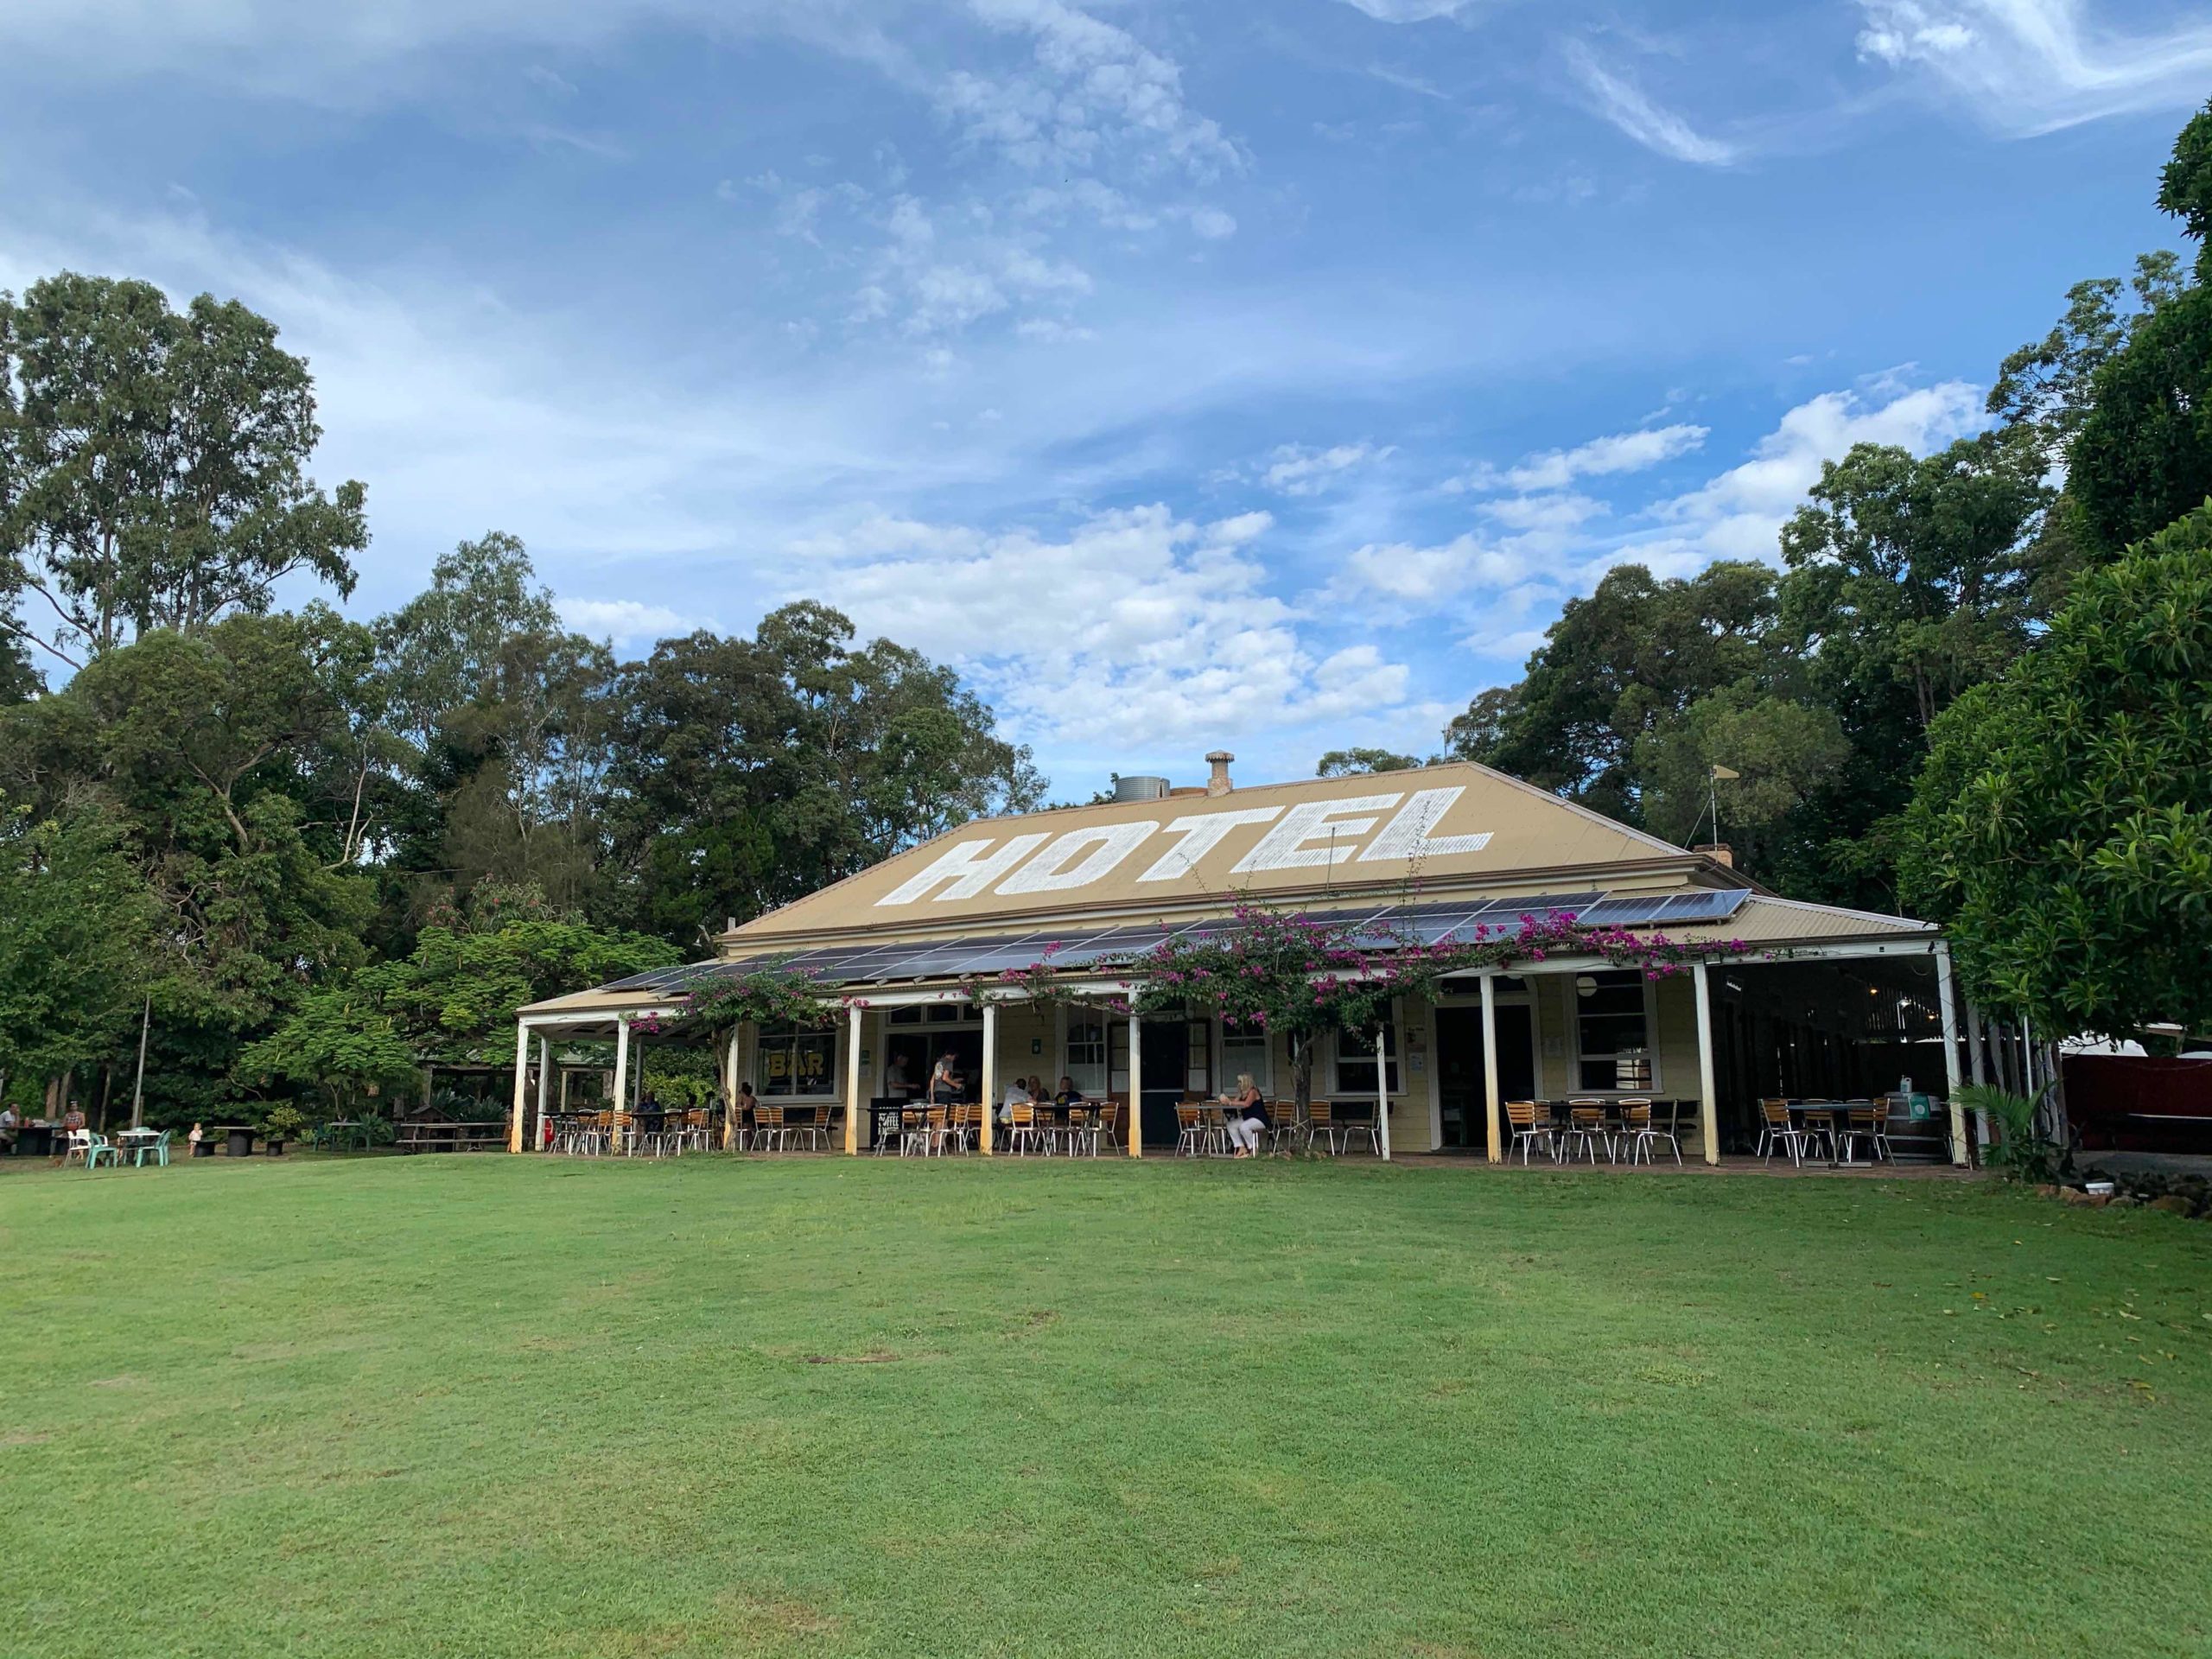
pixel 489 1407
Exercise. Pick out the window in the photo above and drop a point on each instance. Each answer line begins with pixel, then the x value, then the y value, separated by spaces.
pixel 1197 1059
pixel 797 1063
pixel 1613 1031
pixel 1356 1060
pixel 951 1014
pixel 1086 1057
pixel 1242 1050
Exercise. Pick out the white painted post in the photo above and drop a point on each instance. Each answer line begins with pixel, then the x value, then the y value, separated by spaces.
pixel 1708 1096
pixel 544 1086
pixel 1947 1000
pixel 990 1086
pixel 1383 1087
pixel 522 1073
pixel 1977 1035
pixel 1137 1086
pixel 853 1084
pixel 729 1093
pixel 622 1101
pixel 1493 1130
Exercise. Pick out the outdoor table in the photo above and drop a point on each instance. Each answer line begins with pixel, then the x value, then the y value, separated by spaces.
pixel 137 1140
pixel 237 1139
pixel 34 1140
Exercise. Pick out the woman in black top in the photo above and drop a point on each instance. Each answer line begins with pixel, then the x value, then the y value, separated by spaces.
pixel 1247 1115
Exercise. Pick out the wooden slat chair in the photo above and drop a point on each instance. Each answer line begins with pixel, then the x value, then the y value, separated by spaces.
pixel 1190 1132
pixel 1819 1130
pixel 1321 1125
pixel 1864 1121
pixel 1285 1127
pixel 1644 1132
pixel 1776 1130
pixel 1109 1122
pixel 1532 1127
pixel 1023 1134
pixel 769 1133
pixel 1586 1128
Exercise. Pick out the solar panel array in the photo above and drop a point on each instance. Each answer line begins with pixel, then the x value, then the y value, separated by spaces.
pixel 1369 926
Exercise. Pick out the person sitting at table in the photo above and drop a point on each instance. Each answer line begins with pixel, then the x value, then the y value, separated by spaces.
pixel 197 1136
pixel 946 1084
pixel 1067 1094
pixel 747 1100
pixel 647 1103
pixel 1247 1115
pixel 896 1085
pixel 73 1118
pixel 1017 1093
pixel 8 1123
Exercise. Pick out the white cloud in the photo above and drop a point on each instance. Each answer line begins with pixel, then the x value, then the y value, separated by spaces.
pixel 1409 11
pixel 1097 87
pixel 1620 101
pixel 1426 576
pixel 1295 470
pixel 1155 631
pixel 1544 512
pixel 1212 224
pixel 2029 67
pixel 1555 470
pixel 626 622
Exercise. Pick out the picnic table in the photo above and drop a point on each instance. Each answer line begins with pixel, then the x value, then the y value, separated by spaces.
pixel 452 1137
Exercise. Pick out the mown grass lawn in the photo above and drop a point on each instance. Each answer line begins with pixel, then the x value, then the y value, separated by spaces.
pixel 491 1406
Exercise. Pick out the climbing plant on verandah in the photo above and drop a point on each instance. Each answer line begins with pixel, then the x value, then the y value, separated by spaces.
pixel 1286 973
pixel 767 998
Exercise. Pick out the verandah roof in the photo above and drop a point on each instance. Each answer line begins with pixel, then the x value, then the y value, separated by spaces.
pixel 1373 927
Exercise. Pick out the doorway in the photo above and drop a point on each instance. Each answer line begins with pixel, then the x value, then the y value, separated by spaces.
pixel 1459 1068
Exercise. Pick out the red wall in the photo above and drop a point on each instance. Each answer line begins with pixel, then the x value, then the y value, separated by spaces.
pixel 2141 1104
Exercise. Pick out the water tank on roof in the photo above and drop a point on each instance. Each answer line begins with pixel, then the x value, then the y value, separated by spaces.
pixel 1140 789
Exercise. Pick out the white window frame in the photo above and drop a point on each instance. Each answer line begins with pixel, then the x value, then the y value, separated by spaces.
pixel 766 1040
pixel 1398 1066
pixel 1651 1043
pixel 1105 1063
pixel 1263 1074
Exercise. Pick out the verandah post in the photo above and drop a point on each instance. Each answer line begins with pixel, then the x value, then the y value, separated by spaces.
pixel 1493 1135
pixel 544 1085
pixel 853 1083
pixel 1383 1087
pixel 1136 1085
pixel 620 1104
pixel 990 1070
pixel 1708 1103
pixel 1947 1000
pixel 522 1071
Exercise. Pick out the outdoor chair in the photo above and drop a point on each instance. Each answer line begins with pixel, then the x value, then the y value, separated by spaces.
pixel 1586 1129
pixel 1023 1133
pixel 1284 1128
pixel 1818 1130
pixel 1191 1133
pixel 1644 1134
pixel 77 1148
pixel 1082 1132
pixel 1321 1125
pixel 1371 1127
pixel 1776 1130
pixel 98 1146
pixel 915 1131
pixel 1109 1116
pixel 157 1149
pixel 768 1131
pixel 1864 1121
pixel 1532 1127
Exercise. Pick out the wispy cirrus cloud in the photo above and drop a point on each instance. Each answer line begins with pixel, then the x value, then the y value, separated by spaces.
pixel 1616 453
pixel 2030 66
pixel 1621 101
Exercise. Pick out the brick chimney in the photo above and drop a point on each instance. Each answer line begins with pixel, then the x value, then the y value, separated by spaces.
pixel 1719 852
pixel 1218 781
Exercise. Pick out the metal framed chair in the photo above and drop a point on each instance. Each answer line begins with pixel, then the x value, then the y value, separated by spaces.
pixel 1818 1128
pixel 1587 1130
pixel 1023 1134
pixel 1321 1125
pixel 1191 1133
pixel 1645 1132
pixel 1350 1129
pixel 1776 1131
pixel 1532 1127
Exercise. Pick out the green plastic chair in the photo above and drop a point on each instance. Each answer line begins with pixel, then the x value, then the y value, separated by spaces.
pixel 158 1150
pixel 98 1146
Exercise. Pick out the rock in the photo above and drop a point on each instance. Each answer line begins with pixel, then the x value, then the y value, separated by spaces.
pixel 2092 1200
pixel 2126 1201
pixel 2173 1203
pixel 2047 1191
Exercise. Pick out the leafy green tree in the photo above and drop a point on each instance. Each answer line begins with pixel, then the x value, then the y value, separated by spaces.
pixel 196 747
pixel 337 1043
pixel 2142 455
pixel 153 466
pixel 76 942
pixel 747 772
pixel 1617 666
pixel 502 714
pixel 1358 762
pixel 1784 754
pixel 2064 821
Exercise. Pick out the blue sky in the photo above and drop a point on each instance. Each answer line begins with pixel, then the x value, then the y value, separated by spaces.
pixel 1260 376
